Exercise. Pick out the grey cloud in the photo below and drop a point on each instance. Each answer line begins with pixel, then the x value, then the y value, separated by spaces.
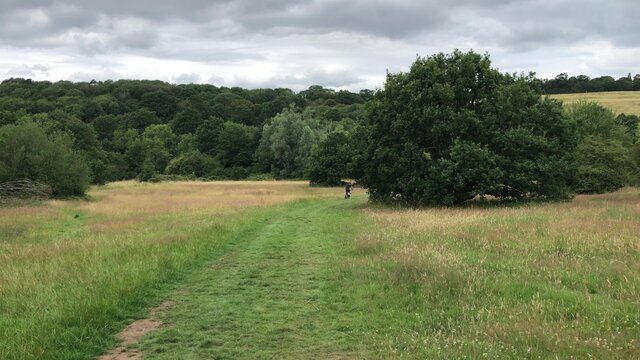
pixel 380 18
pixel 104 74
pixel 342 79
pixel 188 78
pixel 24 70
pixel 293 39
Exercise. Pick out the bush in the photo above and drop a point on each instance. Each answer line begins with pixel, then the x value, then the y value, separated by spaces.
pixel 193 163
pixel 604 155
pixel 453 128
pixel 27 152
pixel 236 173
pixel 260 177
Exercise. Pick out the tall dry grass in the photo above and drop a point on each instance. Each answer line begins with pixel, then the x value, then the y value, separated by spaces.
pixel 532 281
pixel 72 270
pixel 627 102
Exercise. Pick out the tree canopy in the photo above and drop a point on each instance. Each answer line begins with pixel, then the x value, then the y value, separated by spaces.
pixel 453 128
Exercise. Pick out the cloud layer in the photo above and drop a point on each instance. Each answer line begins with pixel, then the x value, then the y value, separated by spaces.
pixel 284 43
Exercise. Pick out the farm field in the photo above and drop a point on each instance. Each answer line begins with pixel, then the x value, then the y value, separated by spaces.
pixel 627 102
pixel 247 270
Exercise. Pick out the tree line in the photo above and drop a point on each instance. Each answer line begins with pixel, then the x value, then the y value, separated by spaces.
pixel 563 84
pixel 73 134
pixel 450 129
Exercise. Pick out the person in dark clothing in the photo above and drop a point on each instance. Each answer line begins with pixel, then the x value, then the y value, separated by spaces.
pixel 347 191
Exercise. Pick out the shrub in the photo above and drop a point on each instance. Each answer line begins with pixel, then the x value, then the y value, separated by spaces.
pixel 260 177
pixel 236 173
pixel 329 161
pixel 27 152
pixel 193 163
pixel 604 155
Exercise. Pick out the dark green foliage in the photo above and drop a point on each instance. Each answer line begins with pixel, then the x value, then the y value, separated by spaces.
pixel 232 107
pixel 186 122
pixel 453 128
pixel 604 153
pixel 161 103
pixel 133 128
pixel 7 117
pixel 329 161
pixel 160 146
pixel 236 144
pixel 105 126
pixel 106 166
pixel 27 152
pixel 141 118
pixel 236 173
pixel 469 170
pixel 286 143
pixel 563 84
pixel 631 123
pixel 193 163
pixel 207 135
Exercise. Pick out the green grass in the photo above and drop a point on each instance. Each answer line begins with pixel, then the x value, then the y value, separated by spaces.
pixel 273 296
pixel 627 102
pixel 324 278
pixel 67 301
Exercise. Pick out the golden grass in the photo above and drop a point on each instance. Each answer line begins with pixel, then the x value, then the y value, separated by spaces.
pixel 129 207
pixel 560 276
pixel 130 197
pixel 627 102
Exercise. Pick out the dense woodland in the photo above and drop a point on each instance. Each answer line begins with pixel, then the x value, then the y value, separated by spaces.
pixel 563 84
pixel 152 130
pixel 450 129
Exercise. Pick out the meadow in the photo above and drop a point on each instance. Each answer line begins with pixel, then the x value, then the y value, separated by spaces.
pixel 249 270
pixel 620 102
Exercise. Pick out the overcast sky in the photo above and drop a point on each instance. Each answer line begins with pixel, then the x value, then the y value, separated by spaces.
pixel 295 44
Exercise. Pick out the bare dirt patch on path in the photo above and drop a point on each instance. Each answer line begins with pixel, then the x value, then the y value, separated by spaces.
pixel 133 332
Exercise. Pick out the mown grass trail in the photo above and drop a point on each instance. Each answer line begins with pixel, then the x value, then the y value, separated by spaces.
pixel 272 296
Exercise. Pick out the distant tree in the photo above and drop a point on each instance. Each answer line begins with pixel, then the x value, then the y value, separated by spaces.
pixel 7 117
pixel 162 103
pixel 207 135
pixel 604 153
pixel 105 126
pixel 186 121
pixel 453 128
pixel 236 144
pixel 26 151
pixel 193 163
pixel 160 145
pixel 286 143
pixel 330 160
pixel 232 107
pixel 141 118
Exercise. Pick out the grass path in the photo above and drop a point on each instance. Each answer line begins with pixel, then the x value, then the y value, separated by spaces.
pixel 271 296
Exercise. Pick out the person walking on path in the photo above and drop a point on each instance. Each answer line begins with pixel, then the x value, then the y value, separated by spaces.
pixel 347 191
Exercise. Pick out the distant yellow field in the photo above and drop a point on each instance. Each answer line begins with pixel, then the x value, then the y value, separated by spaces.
pixel 627 102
